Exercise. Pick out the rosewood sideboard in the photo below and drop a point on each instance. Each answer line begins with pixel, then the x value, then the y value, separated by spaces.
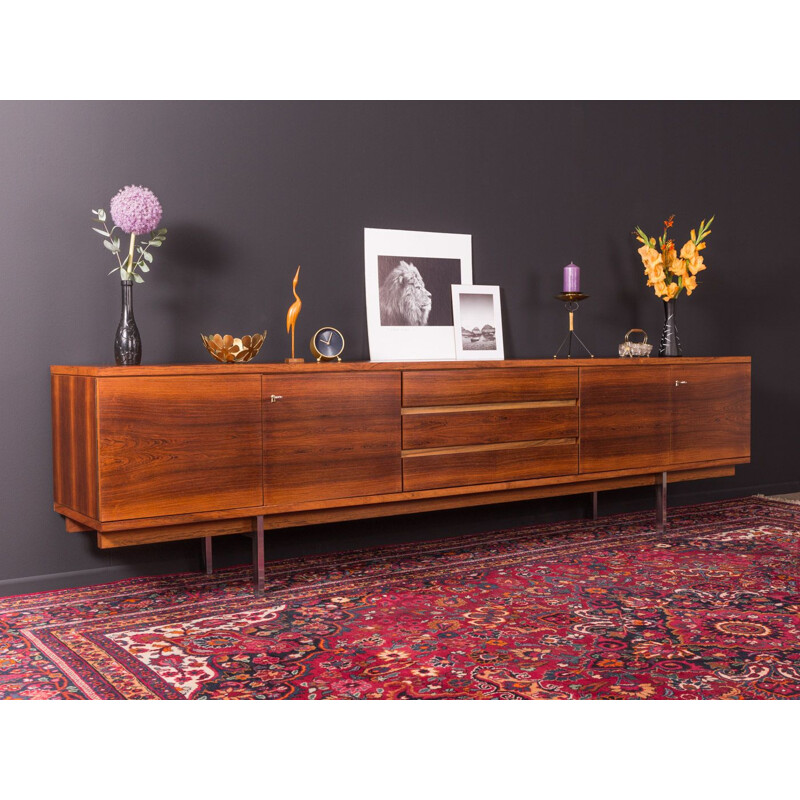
pixel 157 453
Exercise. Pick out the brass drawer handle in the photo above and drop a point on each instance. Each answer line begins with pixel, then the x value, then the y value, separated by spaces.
pixel 681 383
pixel 273 398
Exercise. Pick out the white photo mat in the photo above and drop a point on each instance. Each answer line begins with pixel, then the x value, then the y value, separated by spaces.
pixel 440 259
pixel 478 328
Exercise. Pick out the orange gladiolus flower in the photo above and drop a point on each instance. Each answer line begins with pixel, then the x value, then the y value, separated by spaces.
pixel 677 266
pixel 696 264
pixel 672 291
pixel 650 256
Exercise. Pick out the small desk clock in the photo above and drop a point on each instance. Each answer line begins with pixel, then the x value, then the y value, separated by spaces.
pixel 327 344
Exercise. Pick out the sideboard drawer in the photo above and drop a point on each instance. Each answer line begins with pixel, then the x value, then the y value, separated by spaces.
pixel 501 385
pixel 489 424
pixel 464 467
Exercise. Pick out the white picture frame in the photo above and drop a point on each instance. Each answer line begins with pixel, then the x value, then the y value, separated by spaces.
pixel 399 326
pixel 478 323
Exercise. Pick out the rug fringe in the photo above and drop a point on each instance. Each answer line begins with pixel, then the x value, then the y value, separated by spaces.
pixel 777 499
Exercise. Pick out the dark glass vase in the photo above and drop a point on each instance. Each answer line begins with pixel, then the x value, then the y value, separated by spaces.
pixel 127 343
pixel 670 343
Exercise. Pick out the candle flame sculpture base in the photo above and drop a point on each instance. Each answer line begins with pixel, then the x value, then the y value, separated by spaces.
pixel 570 301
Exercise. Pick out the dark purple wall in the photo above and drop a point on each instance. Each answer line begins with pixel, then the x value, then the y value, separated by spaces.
pixel 251 190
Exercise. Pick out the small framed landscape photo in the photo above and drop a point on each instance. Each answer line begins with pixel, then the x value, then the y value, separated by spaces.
pixel 478 325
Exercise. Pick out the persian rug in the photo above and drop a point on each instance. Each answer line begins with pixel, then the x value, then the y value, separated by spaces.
pixel 610 609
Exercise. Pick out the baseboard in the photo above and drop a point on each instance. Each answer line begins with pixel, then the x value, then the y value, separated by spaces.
pixel 78 578
pixel 707 495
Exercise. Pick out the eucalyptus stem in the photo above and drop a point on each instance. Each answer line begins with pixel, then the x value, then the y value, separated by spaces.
pixel 111 238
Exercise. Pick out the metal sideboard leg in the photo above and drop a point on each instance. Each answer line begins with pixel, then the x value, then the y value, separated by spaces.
pixel 661 501
pixel 258 557
pixel 207 554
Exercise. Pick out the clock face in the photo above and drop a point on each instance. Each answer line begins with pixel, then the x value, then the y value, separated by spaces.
pixel 328 342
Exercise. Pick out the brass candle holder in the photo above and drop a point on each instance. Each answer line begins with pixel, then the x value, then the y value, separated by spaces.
pixel 570 301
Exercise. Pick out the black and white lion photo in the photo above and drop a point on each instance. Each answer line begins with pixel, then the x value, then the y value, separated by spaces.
pixel 416 291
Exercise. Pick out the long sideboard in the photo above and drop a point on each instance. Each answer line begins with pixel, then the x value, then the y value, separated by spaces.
pixel 157 453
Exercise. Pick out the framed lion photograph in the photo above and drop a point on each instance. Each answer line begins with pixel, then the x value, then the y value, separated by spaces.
pixel 408 276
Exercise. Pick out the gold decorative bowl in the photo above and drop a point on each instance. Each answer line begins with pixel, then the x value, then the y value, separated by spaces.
pixel 232 350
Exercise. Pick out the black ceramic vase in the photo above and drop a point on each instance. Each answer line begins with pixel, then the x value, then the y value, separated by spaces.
pixel 127 343
pixel 670 343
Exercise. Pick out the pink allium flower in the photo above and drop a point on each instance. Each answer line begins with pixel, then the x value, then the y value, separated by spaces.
pixel 135 209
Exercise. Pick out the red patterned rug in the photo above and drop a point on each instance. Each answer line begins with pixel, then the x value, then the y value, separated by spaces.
pixel 613 609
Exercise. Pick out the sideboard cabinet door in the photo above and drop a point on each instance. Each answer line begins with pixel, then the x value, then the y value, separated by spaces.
pixel 178 445
pixel 625 420
pixel 331 436
pixel 710 412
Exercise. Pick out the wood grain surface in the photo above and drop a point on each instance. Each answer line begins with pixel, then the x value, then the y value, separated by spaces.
pixel 489 465
pixel 441 387
pixel 431 501
pixel 170 445
pixel 74 443
pixel 312 367
pixel 325 515
pixel 173 533
pixel 368 505
pixel 710 412
pixel 331 436
pixel 624 420
pixel 488 425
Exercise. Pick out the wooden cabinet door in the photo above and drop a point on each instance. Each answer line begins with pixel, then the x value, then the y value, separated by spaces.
pixel 331 436
pixel 710 412
pixel 178 445
pixel 625 418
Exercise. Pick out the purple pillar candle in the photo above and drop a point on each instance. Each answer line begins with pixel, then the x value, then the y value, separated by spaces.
pixel 572 278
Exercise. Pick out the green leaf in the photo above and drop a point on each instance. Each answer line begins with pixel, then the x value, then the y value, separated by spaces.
pixel 101 215
pixel 161 231
pixel 114 248
pixel 116 269
pixel 138 278
pixel 154 243
pixel 143 267
pixel 102 233
pixel 147 256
